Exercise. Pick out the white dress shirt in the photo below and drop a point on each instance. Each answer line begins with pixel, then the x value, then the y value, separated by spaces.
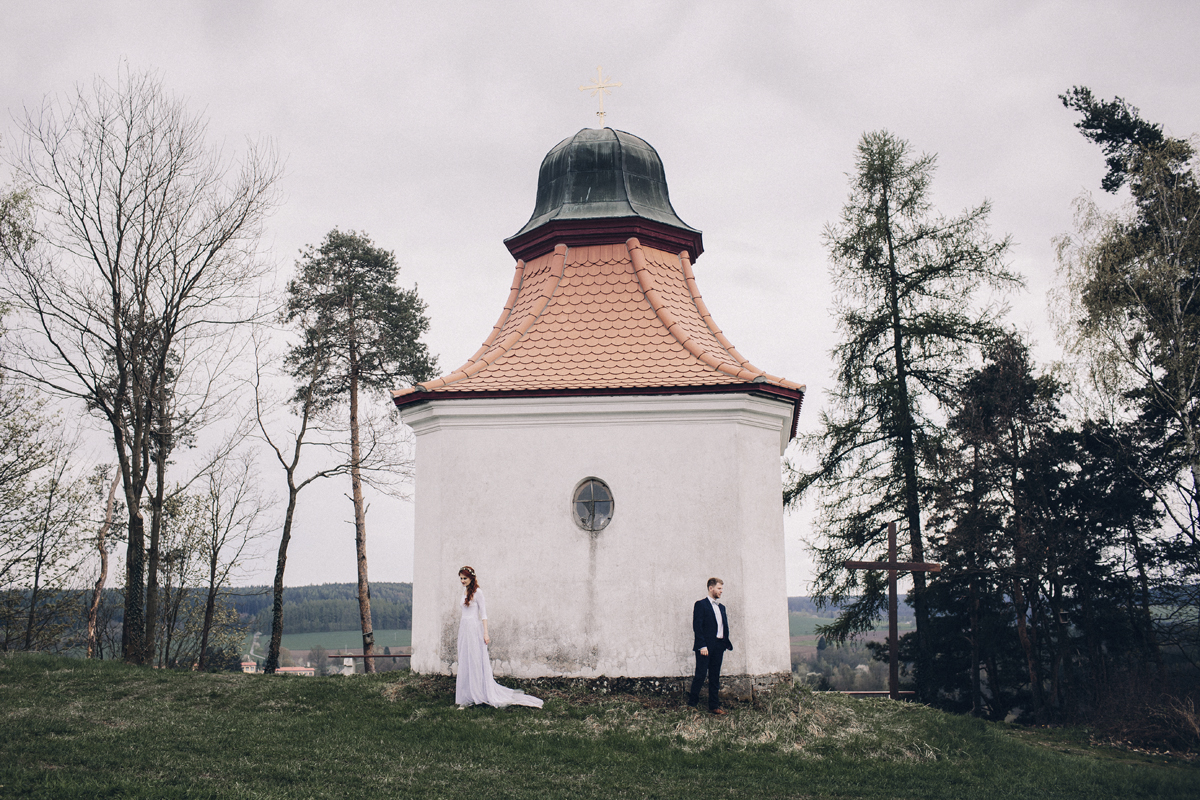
pixel 717 610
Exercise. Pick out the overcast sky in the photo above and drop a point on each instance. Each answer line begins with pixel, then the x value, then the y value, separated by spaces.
pixel 423 125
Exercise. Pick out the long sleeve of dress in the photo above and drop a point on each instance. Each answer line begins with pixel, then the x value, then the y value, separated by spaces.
pixel 478 600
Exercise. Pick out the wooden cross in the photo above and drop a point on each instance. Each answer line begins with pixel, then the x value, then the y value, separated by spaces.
pixel 599 87
pixel 893 566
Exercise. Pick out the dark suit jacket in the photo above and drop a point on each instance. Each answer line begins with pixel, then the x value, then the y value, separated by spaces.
pixel 704 625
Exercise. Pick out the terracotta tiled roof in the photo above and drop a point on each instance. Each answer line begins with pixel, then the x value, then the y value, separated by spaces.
pixel 600 319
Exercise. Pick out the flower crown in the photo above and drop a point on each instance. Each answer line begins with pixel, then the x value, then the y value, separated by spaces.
pixel 470 572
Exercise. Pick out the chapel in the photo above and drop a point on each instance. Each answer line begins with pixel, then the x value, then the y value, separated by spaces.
pixel 605 450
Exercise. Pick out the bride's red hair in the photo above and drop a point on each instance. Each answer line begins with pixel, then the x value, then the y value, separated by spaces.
pixel 469 573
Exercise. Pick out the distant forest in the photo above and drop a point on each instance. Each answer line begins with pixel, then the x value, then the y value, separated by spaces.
pixel 334 607
pixel 326 607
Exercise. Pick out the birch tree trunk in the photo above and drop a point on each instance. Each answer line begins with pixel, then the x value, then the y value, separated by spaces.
pixel 101 545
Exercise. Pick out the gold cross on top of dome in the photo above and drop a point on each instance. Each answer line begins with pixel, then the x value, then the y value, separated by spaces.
pixel 600 87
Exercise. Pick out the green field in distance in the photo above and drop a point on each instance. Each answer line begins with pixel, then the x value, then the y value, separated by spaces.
pixel 805 625
pixel 335 640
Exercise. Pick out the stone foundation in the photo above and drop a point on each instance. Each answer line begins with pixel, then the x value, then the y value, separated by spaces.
pixel 742 688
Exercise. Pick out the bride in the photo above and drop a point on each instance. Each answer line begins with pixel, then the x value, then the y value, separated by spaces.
pixel 475 682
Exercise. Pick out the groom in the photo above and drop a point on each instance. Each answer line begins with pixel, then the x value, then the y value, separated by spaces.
pixel 711 627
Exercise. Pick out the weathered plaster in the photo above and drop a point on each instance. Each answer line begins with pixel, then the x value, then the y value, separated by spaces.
pixel 696 481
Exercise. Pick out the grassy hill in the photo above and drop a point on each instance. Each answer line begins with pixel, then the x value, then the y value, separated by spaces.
pixel 100 729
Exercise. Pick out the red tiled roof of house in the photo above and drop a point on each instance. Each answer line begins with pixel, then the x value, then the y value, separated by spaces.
pixel 603 319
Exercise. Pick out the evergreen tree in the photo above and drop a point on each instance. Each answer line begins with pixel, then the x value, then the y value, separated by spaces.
pixel 1032 521
pixel 1000 491
pixel 1118 128
pixel 905 278
pixel 368 330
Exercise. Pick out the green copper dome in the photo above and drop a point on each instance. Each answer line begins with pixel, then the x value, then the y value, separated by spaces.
pixel 597 178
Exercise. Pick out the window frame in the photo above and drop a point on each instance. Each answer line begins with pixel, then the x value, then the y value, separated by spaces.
pixel 589 525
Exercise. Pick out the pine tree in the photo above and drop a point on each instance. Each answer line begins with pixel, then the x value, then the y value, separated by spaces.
pixel 354 316
pixel 905 278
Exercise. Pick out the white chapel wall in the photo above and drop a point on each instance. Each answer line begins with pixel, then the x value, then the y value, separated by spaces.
pixel 696 481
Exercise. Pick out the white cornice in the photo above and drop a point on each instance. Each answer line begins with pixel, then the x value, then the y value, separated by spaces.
pixel 746 409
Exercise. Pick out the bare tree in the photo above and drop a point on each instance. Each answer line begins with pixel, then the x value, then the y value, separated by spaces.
pixel 25 437
pixel 196 614
pixel 181 567
pixel 42 549
pixel 305 409
pixel 40 512
pixel 384 457
pixel 55 534
pixel 143 254
pixel 233 507
pixel 318 656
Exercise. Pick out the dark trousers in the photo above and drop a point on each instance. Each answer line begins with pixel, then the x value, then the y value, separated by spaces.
pixel 708 666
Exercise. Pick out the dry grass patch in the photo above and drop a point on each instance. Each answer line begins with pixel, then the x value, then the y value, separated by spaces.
pixel 789 720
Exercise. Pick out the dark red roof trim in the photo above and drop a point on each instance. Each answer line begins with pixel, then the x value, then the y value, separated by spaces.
pixel 581 232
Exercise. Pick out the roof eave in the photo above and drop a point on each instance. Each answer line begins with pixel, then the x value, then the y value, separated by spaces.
pixel 604 230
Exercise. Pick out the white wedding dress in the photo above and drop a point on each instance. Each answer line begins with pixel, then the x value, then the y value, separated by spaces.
pixel 475 681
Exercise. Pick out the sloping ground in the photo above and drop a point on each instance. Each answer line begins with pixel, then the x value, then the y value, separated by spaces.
pixel 84 729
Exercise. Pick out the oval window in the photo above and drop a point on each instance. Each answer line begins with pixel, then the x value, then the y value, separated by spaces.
pixel 592 506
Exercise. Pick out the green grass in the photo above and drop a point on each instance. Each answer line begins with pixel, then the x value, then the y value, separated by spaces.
pixel 336 640
pixel 77 729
